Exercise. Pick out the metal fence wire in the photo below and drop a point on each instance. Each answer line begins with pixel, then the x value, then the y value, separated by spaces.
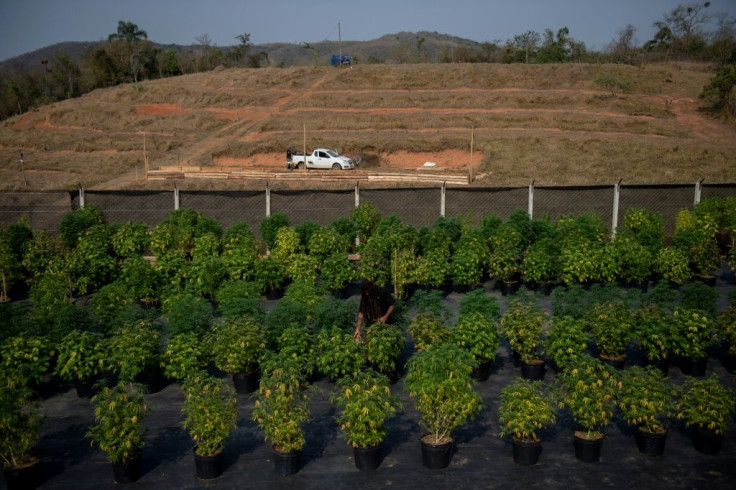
pixel 414 206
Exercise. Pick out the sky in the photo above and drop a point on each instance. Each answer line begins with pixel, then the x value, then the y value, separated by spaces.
pixel 27 25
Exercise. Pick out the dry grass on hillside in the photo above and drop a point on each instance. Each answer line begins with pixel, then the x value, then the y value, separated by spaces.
pixel 550 123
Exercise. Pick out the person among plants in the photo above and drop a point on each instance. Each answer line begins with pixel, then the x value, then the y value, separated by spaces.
pixel 376 305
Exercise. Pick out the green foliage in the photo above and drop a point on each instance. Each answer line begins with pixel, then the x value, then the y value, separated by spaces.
pixel 672 264
pixel 75 223
pixel 647 227
pixel 238 232
pixel 477 301
pixel 427 329
pixel 522 325
pixel 692 333
pixel 331 312
pixel 187 312
pixel 570 301
pixel 346 228
pixel 40 253
pixel 240 253
pixel 270 226
pixel 697 240
pixel 325 242
pixel 633 260
pixel 304 293
pixel 269 273
pixel 611 325
pixel 662 295
pixel 506 246
pixel 726 324
pixel 210 413
pixel 305 230
pixel 438 379
pixel 367 403
pixel 302 268
pixel 239 345
pixel 580 262
pixel 366 218
pixel 141 278
pixel 110 300
pixel 297 344
pixel 707 403
pixel 566 342
pixel 524 408
pixel 205 275
pixel 337 271
pixel 240 298
pixel 25 359
pixel 281 405
pixel 206 246
pixel 10 266
pixel 720 92
pixel 699 296
pixel 132 349
pixel 432 267
pixel 613 84
pixel 119 413
pixel 374 263
pixel 646 398
pixel 337 353
pixel 383 344
pixel 430 301
pixel 476 333
pixel 653 331
pixel 284 314
pixel 471 250
pixel 173 268
pixel 81 355
pixel 589 391
pixel 130 239
pixel 185 355
pixel 20 423
pixel 91 263
pixel 541 262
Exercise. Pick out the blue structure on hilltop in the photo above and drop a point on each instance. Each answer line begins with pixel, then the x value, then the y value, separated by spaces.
pixel 344 59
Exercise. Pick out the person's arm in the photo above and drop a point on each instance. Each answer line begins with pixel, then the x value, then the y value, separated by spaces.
pixel 385 317
pixel 358 324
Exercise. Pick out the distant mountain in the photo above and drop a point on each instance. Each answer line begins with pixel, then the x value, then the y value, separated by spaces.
pixel 402 47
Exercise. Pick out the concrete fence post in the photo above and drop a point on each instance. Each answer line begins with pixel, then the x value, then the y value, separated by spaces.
pixel 81 197
pixel 698 189
pixel 176 198
pixel 442 200
pixel 530 209
pixel 614 218
pixel 357 203
pixel 268 200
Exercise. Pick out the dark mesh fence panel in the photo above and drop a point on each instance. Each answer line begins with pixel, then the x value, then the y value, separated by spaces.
pixel 479 202
pixel 717 190
pixel 44 210
pixel 557 201
pixel 322 207
pixel 665 200
pixel 416 207
pixel 150 207
pixel 227 207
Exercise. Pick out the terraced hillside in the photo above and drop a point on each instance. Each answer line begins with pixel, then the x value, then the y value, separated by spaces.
pixel 550 123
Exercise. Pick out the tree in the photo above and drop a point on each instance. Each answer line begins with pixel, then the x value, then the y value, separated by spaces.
pixel 527 43
pixel 128 32
pixel 555 48
pixel 622 48
pixel 720 91
pixel 680 29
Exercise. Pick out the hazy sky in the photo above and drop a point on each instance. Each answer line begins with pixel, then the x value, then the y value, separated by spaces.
pixel 26 25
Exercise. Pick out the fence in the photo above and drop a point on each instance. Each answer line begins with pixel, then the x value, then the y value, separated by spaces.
pixel 415 206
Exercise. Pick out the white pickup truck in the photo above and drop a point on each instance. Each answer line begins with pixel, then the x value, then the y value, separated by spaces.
pixel 319 158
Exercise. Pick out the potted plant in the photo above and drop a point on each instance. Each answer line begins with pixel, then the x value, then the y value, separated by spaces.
pixel 366 403
pixel 185 355
pixel 210 416
pixel 81 360
pixel 478 301
pixel 336 273
pixel 478 335
pixel 238 347
pixel 698 240
pixel 672 264
pixel 383 344
pixel 270 276
pixel 186 312
pixel 438 380
pixel 726 322
pixel 691 337
pixel 366 218
pixel 270 226
pixel 130 239
pixel 427 329
pixel 466 266
pixel 240 298
pixel 653 332
pixel 297 343
pixel 522 325
pixel 503 260
pixel 566 342
pixel 118 428
pixel 612 327
pixel 541 264
pixel 525 407
pixel 589 391
pixel 707 406
pixel 20 423
pixel 26 357
pixel 133 353
pixel 646 398
pixel 280 409
pixel 634 260
pixel 338 354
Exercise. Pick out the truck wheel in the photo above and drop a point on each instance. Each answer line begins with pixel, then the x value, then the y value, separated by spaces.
pixel 300 165
pixel 336 166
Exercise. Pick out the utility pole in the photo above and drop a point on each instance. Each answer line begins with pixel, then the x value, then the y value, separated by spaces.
pixel 339 43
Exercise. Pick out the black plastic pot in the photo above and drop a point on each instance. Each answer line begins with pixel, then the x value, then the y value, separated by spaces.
pixel 729 363
pixel 662 364
pixel 614 362
pixel 24 477
pixel 286 464
pixel 437 456
pixel 367 458
pixel 533 370
pixel 693 366
pixel 706 441
pixel 245 383
pixel 526 452
pixel 129 470
pixel 651 443
pixel 483 371
pixel 208 467
pixel 273 293
pixel 708 280
pixel 510 287
pixel 588 450
pixel 546 288
pixel 85 387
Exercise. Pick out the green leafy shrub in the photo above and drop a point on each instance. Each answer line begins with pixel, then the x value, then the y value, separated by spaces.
pixel 141 278
pixel 305 230
pixel 110 300
pixel 240 298
pixel 21 422
pixel 427 329
pixel 210 413
pixel 270 227
pixel 25 359
pixel 646 398
pixel 699 296
pixel 611 325
pixel 366 218
pixel 524 408
pixel 430 301
pixel 337 353
pixel 477 334
pixel 297 343
pixel 119 413
pixel 707 403
pixel 477 301
pixel 130 239
pixel 522 325
pixel 566 342
pixel 383 344
pixel 366 404
pixel 647 227
pixel 133 349
pixel 331 312
pixel 75 223
pixel 653 331
pixel 269 273
pixel 185 355
pixel 692 333
pixel 239 345
pixel 541 262
pixel 187 312
pixel 81 356
pixel 284 314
